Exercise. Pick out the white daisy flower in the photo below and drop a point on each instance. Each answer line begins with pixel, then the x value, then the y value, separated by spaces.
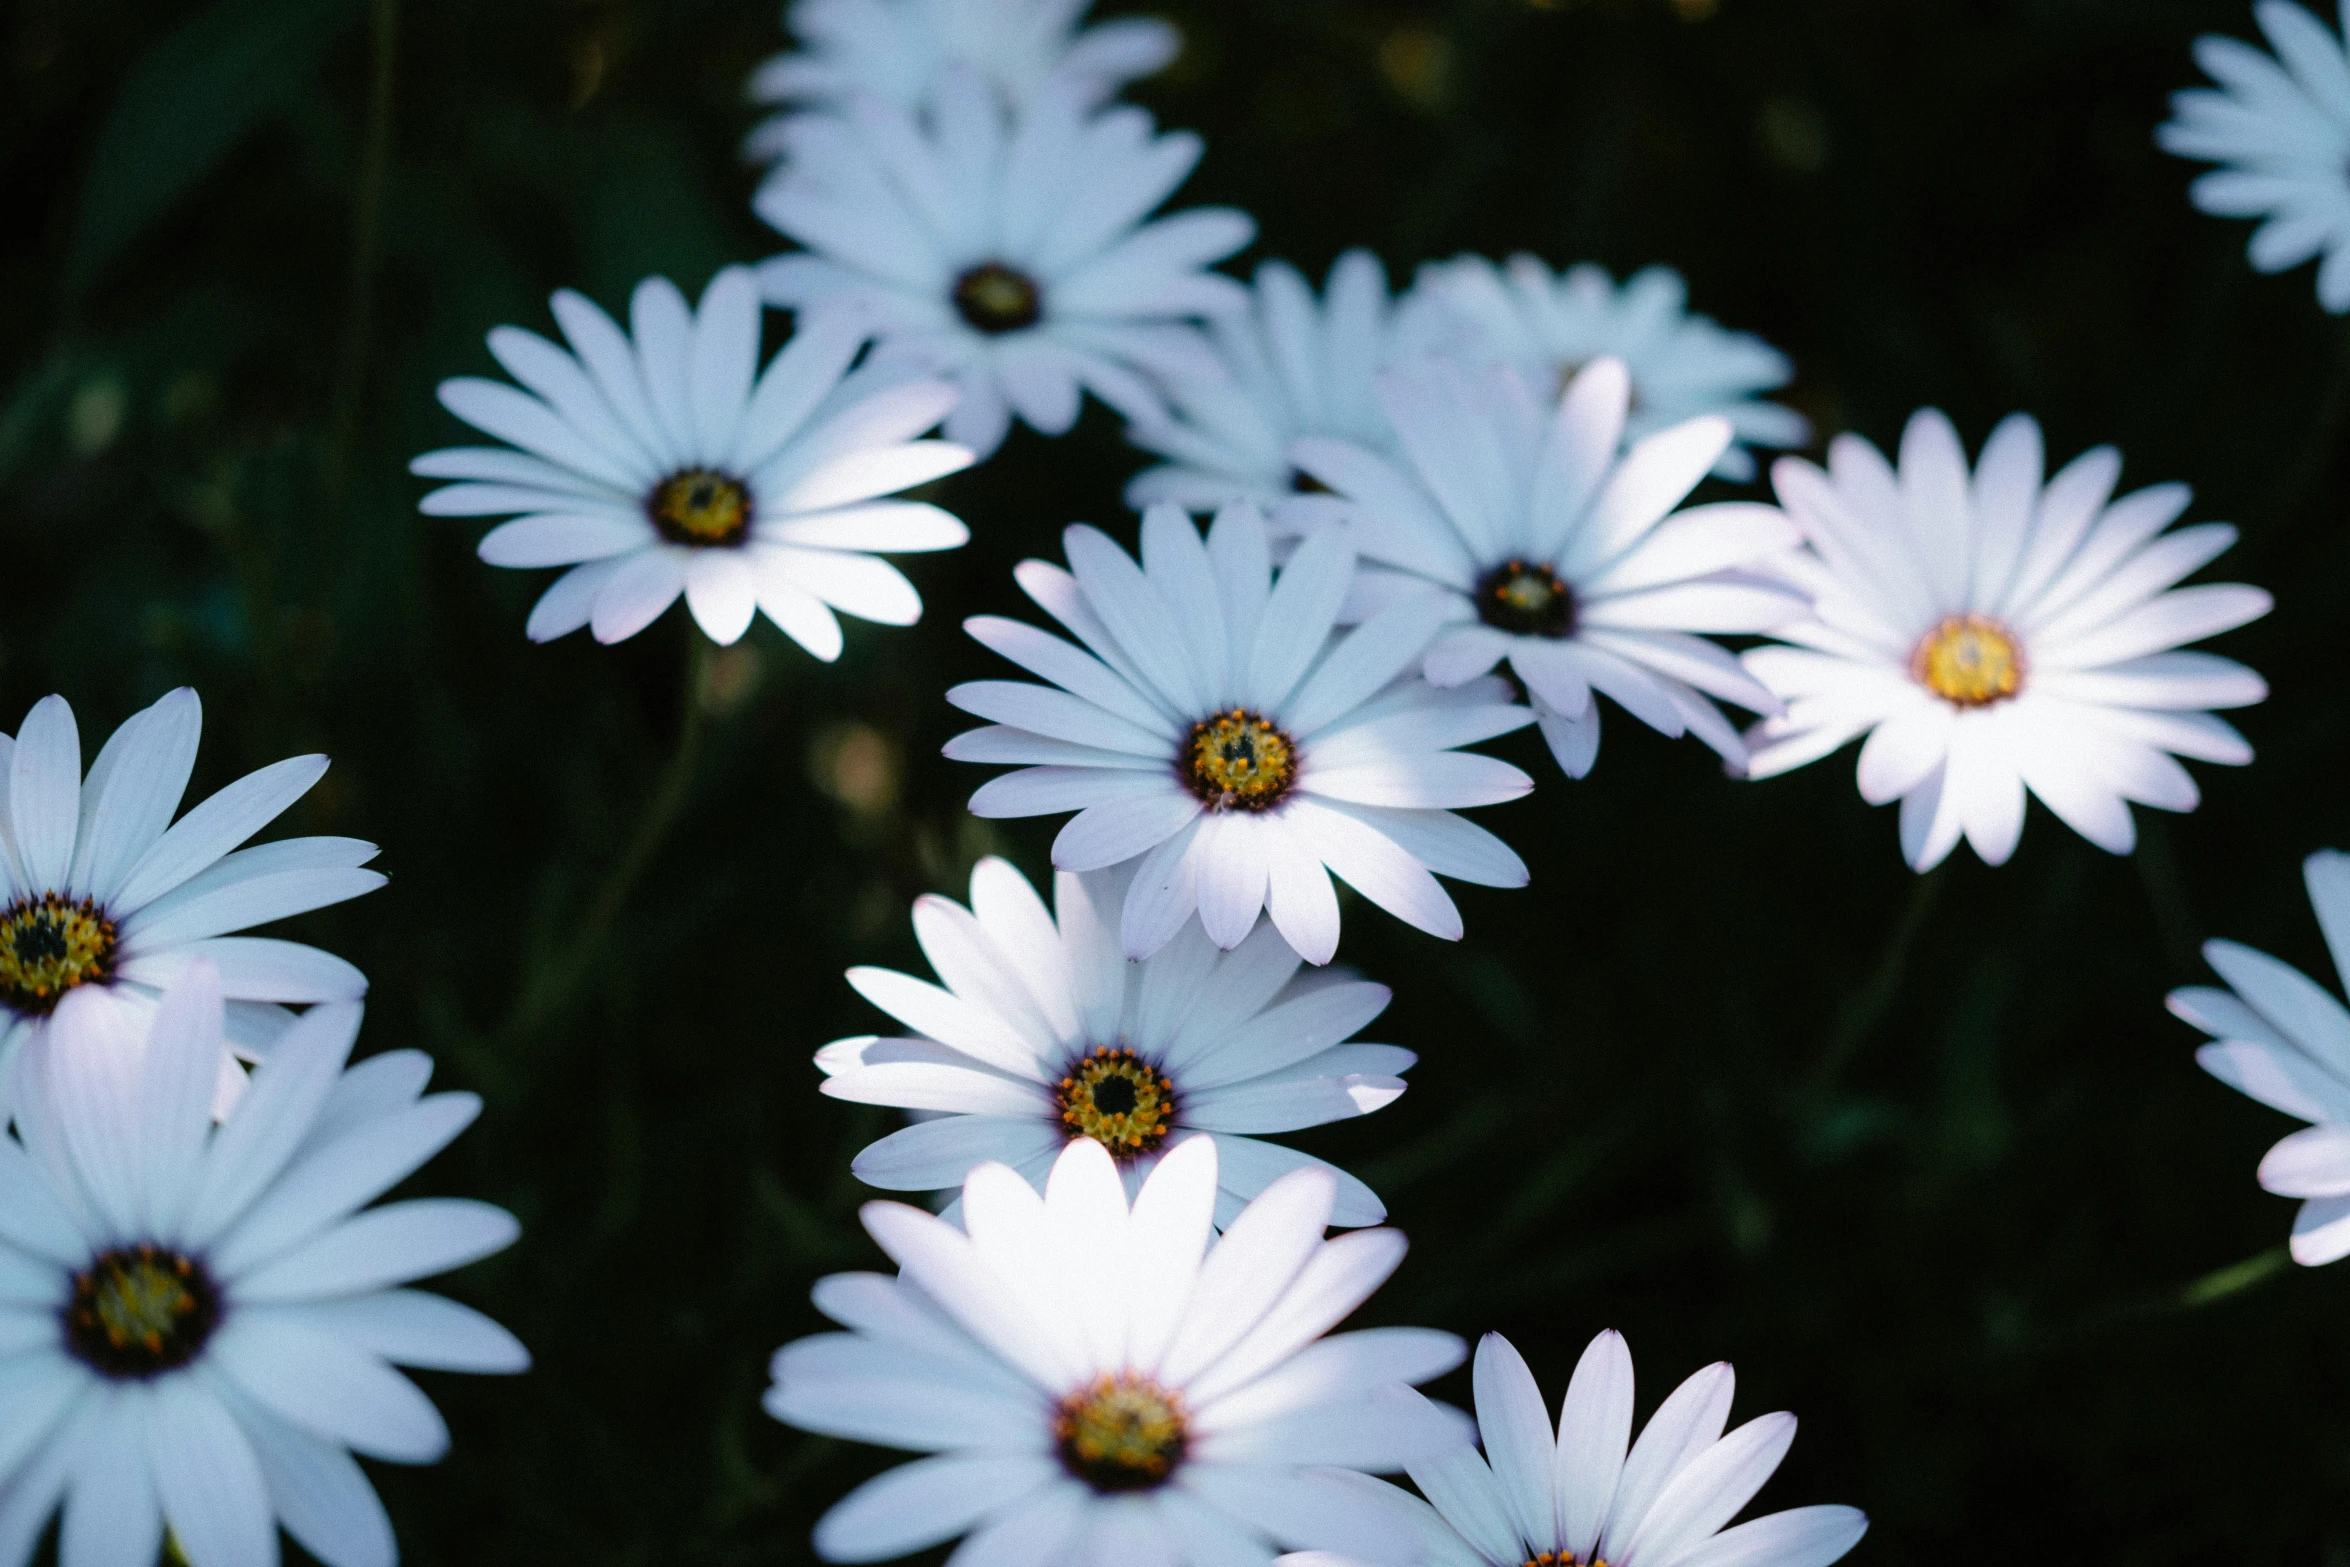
pixel 1214 729
pixel 1995 634
pixel 669 465
pixel 198 1325
pixel 103 894
pixel 1006 250
pixel 1044 1034
pixel 1290 366
pixel 1551 326
pixel 2281 127
pixel 899 50
pixel 1537 542
pixel 1103 1383
pixel 1591 1494
pixel 2283 1039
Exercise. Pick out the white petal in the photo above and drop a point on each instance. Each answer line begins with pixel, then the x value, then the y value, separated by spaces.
pixel 45 791
pixel 216 826
pixel 327 1386
pixel 915 1505
pixel 1595 1429
pixel 383 1246
pixel 208 1479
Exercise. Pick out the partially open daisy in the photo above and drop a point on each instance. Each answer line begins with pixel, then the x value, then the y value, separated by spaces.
pixel 1103 1382
pixel 899 50
pixel 1006 250
pixel 102 894
pixel 1044 1034
pixel 1214 728
pixel 1590 1494
pixel 1537 540
pixel 669 465
pixel 2281 128
pixel 1681 365
pixel 1289 366
pixel 198 1324
pixel 1994 633
pixel 2283 1039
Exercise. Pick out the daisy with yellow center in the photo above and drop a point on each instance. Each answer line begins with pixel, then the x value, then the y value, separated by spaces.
pixel 1549 545
pixel 202 1321
pixel 1997 632
pixel 1044 1034
pixel 1006 247
pixel 1222 738
pixel 662 462
pixel 1092 1356
pixel 104 896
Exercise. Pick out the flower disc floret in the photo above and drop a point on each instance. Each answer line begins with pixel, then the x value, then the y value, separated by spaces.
pixel 701 507
pixel 1969 661
pixel 49 945
pixel 1120 1101
pixel 996 298
pixel 1239 761
pixel 138 1311
pixel 1121 1433
pixel 1526 598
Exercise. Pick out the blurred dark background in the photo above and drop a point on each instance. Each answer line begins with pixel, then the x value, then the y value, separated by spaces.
pixel 1926 1159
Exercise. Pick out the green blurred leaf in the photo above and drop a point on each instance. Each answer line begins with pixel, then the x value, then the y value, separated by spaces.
pixel 198 93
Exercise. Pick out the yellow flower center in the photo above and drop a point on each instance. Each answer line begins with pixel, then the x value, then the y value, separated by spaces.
pixel 1969 661
pixel 141 1310
pixel 1239 761
pixel 1527 599
pixel 1120 1101
pixel 50 944
pixel 1122 1433
pixel 1561 1559
pixel 995 298
pixel 700 506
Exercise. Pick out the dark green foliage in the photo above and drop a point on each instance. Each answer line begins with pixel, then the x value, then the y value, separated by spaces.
pixel 1925 1158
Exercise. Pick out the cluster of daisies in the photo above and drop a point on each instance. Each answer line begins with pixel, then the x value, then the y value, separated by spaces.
pixel 1375 530
pixel 200 1315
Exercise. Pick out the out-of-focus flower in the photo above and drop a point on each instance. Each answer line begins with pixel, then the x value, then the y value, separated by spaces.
pixel 2280 128
pixel 1681 365
pixel 900 50
pixel 1007 250
pixel 1289 366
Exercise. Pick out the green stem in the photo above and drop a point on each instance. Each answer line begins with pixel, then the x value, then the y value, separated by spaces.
pixel 547 998
pixel 2236 1277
